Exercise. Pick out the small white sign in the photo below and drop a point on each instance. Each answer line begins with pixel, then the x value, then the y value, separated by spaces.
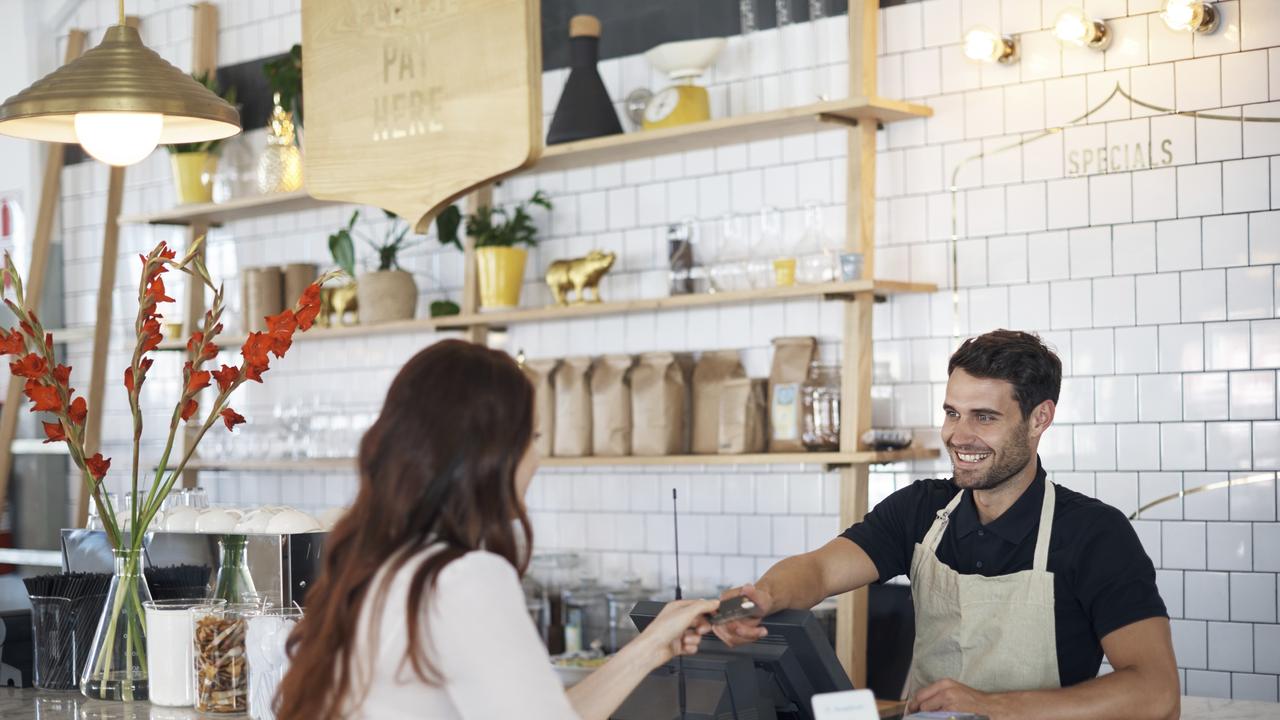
pixel 845 705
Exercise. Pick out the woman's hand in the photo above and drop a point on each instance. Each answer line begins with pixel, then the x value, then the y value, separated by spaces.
pixel 678 629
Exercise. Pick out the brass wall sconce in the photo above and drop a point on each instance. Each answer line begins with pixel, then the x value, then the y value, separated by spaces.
pixel 1190 16
pixel 983 44
pixel 1076 28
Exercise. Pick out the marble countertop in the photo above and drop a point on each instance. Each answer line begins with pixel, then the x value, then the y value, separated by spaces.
pixel 27 704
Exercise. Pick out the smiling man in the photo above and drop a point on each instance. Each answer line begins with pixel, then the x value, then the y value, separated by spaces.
pixel 1020 586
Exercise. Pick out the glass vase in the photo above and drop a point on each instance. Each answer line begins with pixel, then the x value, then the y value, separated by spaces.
pixel 116 668
pixel 234 583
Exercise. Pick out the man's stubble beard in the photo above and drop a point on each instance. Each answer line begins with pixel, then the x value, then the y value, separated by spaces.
pixel 1007 462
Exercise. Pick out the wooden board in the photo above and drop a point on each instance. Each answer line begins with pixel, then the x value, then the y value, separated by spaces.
pixel 410 106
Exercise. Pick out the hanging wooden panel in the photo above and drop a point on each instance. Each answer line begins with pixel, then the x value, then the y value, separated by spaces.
pixel 410 104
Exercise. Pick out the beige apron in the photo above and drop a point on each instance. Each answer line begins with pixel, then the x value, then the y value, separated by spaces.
pixel 993 634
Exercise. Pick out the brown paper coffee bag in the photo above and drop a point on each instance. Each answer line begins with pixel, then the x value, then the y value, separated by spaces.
pixel 660 404
pixel 540 373
pixel 743 416
pixel 572 381
pixel 791 359
pixel 611 406
pixel 709 376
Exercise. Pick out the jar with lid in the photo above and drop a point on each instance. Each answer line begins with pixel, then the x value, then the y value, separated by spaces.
pixel 552 573
pixel 586 623
pixel 820 408
pixel 621 601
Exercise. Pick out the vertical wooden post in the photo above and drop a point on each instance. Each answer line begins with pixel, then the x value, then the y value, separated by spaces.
pixel 481 198
pixel 204 58
pixel 50 190
pixel 102 328
pixel 860 204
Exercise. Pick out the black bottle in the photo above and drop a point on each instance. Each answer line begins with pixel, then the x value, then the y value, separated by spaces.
pixel 585 110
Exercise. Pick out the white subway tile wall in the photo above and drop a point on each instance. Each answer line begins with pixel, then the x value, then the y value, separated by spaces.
pixel 1141 245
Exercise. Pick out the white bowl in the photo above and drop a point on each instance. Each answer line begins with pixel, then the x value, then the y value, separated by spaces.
pixel 292 521
pixel 255 521
pixel 330 516
pixel 182 519
pixel 217 520
pixel 685 58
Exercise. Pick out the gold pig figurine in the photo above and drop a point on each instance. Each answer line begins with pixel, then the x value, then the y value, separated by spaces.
pixel 335 303
pixel 579 275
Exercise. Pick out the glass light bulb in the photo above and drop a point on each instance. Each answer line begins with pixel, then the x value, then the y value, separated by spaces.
pixel 119 138
pixel 1181 14
pixel 1072 27
pixel 983 44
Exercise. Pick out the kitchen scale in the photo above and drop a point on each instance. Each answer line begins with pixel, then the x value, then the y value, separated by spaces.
pixel 682 103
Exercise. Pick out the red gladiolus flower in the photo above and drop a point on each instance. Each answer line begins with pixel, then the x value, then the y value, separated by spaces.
pixel 197 338
pixel 11 342
pixel 281 328
pixel 98 466
pixel 255 352
pixel 156 290
pixel 226 376
pixel 62 374
pixel 143 366
pixel 79 411
pixel 26 328
pixel 308 306
pixel 231 418
pixel 150 335
pixel 199 381
pixel 53 432
pixel 30 366
pixel 189 409
pixel 45 398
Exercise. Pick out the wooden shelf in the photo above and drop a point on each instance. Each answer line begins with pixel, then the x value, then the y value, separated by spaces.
pixel 615 148
pixel 215 214
pixel 838 290
pixel 829 459
pixel 827 291
pixel 725 131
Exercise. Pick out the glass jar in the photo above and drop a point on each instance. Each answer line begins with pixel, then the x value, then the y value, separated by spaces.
pixel 221 671
pixel 621 602
pixel 820 408
pixel 586 622
pixel 265 644
pixel 170 662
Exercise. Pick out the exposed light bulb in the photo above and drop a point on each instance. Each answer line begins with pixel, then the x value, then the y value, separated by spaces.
pixel 1190 16
pixel 1073 26
pixel 986 45
pixel 119 138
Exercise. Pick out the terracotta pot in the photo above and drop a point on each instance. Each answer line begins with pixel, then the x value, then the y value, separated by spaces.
pixel 500 271
pixel 193 176
pixel 385 296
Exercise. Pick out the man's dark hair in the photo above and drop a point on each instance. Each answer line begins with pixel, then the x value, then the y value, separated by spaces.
pixel 1019 358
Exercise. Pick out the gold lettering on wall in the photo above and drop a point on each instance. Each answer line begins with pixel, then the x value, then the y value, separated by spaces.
pixel 1119 158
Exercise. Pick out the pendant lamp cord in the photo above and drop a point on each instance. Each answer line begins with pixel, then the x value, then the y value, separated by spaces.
pixel 121 5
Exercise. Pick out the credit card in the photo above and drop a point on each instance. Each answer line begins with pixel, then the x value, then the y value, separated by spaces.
pixel 735 608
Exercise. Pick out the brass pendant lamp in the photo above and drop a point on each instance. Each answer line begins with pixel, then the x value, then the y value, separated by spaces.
pixel 119 100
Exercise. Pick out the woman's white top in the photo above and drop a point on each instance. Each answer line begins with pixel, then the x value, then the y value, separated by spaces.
pixel 480 638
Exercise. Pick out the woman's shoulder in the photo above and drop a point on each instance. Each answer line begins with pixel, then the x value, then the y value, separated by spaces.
pixel 479 566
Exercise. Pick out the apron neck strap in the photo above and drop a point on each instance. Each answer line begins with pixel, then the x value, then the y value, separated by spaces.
pixel 939 526
pixel 1046 528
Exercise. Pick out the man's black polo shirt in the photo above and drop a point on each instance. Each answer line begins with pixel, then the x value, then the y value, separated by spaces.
pixel 1102 577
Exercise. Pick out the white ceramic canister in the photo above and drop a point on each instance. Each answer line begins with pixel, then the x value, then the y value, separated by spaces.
pixel 170 668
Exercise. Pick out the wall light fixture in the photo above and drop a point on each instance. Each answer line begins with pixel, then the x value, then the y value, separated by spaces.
pixel 1076 28
pixel 1190 16
pixel 986 45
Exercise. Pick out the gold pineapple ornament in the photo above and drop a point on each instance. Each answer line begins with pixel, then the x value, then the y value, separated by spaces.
pixel 280 165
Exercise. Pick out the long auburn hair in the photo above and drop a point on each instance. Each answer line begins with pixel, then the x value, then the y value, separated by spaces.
pixel 438 466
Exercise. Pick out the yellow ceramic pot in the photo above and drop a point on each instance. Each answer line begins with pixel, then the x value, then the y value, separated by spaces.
pixel 193 176
pixel 500 271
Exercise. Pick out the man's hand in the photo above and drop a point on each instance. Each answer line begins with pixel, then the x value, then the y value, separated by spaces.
pixel 952 696
pixel 746 630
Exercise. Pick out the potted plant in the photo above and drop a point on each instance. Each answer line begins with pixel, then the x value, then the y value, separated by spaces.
pixel 284 74
pixel 389 292
pixel 497 232
pixel 195 163
pixel 116 668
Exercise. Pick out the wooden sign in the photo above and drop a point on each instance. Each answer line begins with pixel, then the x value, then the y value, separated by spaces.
pixel 411 104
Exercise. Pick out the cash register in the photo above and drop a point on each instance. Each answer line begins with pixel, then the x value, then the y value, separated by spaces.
pixel 770 679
